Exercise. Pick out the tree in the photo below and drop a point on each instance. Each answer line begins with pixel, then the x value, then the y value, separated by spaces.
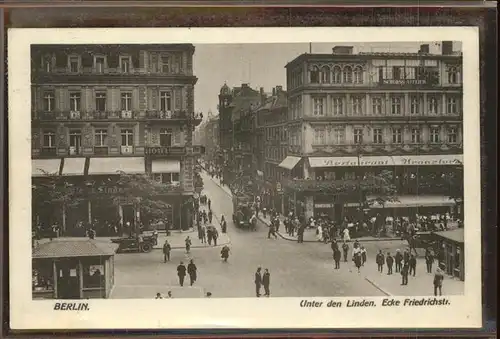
pixel 379 188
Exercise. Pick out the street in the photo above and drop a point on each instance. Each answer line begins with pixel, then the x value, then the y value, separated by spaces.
pixel 297 270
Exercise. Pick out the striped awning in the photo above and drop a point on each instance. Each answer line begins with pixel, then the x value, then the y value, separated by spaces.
pixel 290 162
pixel 165 166
pixel 73 166
pixel 44 167
pixel 129 165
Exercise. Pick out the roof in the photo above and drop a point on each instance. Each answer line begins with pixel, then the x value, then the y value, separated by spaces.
pixel 456 235
pixel 74 248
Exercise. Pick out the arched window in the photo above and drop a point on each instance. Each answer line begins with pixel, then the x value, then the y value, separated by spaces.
pixel 337 75
pixel 347 74
pixel 452 75
pixel 314 75
pixel 358 75
pixel 325 75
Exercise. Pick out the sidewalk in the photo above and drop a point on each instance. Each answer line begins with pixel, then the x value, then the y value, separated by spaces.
pixel 310 233
pixel 217 182
pixel 420 285
pixel 149 291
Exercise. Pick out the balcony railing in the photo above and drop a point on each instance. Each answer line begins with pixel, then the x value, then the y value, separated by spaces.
pixel 101 150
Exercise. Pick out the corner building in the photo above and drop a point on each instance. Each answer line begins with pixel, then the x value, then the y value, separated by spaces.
pixel 97 109
pixel 350 114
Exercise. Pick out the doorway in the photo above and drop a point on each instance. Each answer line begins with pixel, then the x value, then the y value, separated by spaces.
pixel 68 280
pixel 128 215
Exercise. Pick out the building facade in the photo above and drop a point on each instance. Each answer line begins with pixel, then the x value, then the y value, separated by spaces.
pixel 208 135
pixel 272 141
pixel 351 115
pixel 99 109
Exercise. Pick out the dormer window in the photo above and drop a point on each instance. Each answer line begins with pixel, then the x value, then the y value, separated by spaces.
pixel 99 64
pixel 125 64
pixel 74 63
pixel 47 63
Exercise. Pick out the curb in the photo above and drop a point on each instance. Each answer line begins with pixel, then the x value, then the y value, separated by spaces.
pixel 197 246
pixel 377 286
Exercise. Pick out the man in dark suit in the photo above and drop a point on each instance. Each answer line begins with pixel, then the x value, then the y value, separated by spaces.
pixel 389 261
pixel 266 281
pixel 181 273
pixel 258 281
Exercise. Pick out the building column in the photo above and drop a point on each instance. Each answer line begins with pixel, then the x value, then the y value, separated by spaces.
pixel 406 105
pixel 443 104
pixel 309 210
pixel 63 218
pixel 367 105
pixel 424 109
pixel 54 277
pixel 386 108
pixel 348 109
pixel 80 277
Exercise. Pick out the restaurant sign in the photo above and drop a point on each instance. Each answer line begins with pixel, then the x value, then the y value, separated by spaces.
pixel 403 82
pixel 416 160
pixel 173 150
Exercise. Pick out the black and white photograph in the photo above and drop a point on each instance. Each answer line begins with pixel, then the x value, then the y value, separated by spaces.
pixel 320 174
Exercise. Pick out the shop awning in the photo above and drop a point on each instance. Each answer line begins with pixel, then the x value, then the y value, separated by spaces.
pixel 44 167
pixel 165 166
pixel 129 165
pixel 290 162
pixel 453 235
pixel 410 160
pixel 73 166
pixel 416 201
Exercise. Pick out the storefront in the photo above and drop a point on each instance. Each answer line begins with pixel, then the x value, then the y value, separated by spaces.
pixel 409 206
pixel 451 253
pixel 78 269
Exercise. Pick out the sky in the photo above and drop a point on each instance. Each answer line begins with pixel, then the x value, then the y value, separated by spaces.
pixel 263 65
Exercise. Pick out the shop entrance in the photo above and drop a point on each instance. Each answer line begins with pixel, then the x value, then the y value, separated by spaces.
pixel 128 214
pixel 68 282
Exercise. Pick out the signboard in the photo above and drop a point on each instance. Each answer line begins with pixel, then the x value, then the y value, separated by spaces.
pixel 174 150
pixel 278 187
pixel 407 160
pixel 403 82
pixel 323 205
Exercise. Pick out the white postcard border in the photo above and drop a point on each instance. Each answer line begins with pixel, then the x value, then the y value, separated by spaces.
pixel 465 311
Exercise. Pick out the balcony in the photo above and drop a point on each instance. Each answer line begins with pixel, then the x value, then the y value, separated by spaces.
pixel 180 116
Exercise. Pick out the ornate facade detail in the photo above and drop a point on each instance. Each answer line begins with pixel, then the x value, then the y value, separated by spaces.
pixel 87 133
pixel 61 134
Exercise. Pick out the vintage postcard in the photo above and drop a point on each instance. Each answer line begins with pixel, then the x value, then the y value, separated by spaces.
pixel 244 178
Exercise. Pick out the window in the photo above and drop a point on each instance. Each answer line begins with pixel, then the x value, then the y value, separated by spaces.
pixel 74 64
pixel 165 64
pixel 397 73
pixel 357 105
pixel 414 105
pixel 358 136
pixel 314 75
pixel 75 141
pixel 337 106
pixel 175 177
pixel 451 105
pixel 377 106
pixel 99 64
pixel 93 276
pixel 100 102
pixel 319 136
pixel 396 105
pixel 337 75
pixel 127 137
pixel 49 139
pixel 126 101
pixel 165 101
pixel 166 137
pixel 125 64
pixel 452 135
pixel 48 102
pixel 74 101
pixel 325 75
pixel 47 64
pixel 434 132
pixel 101 137
pixel 347 74
pixel 397 135
pixel 358 75
pixel 318 106
pixel 377 136
pixel 415 135
pixel 433 105
pixel 452 75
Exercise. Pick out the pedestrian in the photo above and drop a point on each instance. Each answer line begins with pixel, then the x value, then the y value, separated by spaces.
pixel 334 245
pixel 158 296
pixel 188 244
pixel 345 249
pixel 363 255
pixel 406 256
pixel 404 274
pixel 215 235
pixel 412 263
pixel 380 260
pixel 258 281
pixel 224 253
pixel 272 231
pixel 169 295
pixel 209 295
pixel 209 235
pixel 398 258
pixel 389 261
pixel 181 273
pixel 357 258
pixel 223 224
pixel 203 233
pixel 300 233
pixel 166 251
pixel 438 282
pixel 336 257
pixel 346 235
pixel 192 271
pixel 319 233
pixel 266 281
pixel 210 216
pixel 429 260
pixel 209 205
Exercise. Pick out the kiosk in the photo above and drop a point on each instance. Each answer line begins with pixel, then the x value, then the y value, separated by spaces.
pixel 73 269
pixel 451 252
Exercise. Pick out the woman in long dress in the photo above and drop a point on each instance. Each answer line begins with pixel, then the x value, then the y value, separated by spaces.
pixel 346 235
pixel 319 233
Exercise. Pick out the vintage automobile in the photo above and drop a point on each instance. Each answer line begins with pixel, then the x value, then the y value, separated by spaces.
pixel 243 212
pixel 141 243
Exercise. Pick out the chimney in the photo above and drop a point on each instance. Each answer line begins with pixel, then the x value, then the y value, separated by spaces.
pixel 279 89
pixel 447 47
pixel 342 50
pixel 424 49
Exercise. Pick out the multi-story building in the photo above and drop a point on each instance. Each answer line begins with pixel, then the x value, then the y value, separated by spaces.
pixel 272 141
pixel 97 109
pixel 356 114
pixel 236 125
pixel 211 141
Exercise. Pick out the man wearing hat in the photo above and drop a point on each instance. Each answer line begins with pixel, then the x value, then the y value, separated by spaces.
pixel 398 259
pixel 438 282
